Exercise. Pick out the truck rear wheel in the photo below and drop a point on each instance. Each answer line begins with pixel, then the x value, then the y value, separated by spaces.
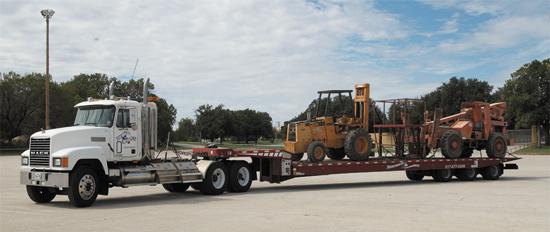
pixel 83 187
pixel 336 153
pixel 415 175
pixel 316 151
pixel 358 144
pixel 215 179
pixel 496 146
pixel 490 173
pixel 176 187
pixel 240 176
pixel 466 174
pixel 442 175
pixel 451 144
pixel 41 194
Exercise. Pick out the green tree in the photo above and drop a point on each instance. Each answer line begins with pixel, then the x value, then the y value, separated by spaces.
pixel 21 101
pixel 449 96
pixel 187 130
pixel 527 96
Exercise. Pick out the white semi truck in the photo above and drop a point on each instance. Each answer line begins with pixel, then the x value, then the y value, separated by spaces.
pixel 113 143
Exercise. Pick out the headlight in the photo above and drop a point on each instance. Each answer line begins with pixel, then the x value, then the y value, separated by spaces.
pixel 24 160
pixel 61 162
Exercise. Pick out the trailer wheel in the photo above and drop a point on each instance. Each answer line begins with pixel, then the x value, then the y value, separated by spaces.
pixel 490 173
pixel 297 156
pixel 496 146
pixel 466 174
pixel 415 175
pixel 443 175
pixel 336 153
pixel 176 187
pixel 451 144
pixel 316 151
pixel 240 176
pixel 215 180
pixel 83 187
pixel 41 194
pixel 358 144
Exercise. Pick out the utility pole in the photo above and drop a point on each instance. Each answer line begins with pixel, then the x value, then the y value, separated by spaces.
pixel 47 14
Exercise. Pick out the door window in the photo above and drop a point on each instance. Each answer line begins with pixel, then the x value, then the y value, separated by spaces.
pixel 123 118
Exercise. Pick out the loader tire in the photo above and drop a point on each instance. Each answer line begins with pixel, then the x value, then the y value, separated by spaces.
pixel 336 153
pixel 496 146
pixel 316 151
pixel 358 145
pixel 451 144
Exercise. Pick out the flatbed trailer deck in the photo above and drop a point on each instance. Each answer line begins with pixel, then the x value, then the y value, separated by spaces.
pixel 276 166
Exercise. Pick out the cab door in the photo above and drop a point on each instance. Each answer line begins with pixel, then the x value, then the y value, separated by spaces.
pixel 126 133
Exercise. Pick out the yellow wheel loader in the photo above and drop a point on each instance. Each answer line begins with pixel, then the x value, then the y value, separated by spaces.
pixel 323 135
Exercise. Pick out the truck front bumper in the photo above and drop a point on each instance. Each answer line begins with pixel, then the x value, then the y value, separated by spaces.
pixel 44 178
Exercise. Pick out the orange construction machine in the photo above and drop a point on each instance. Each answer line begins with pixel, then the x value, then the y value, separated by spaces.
pixel 479 125
pixel 331 135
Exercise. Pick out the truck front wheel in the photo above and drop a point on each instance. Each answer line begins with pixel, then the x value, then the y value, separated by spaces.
pixel 83 187
pixel 41 194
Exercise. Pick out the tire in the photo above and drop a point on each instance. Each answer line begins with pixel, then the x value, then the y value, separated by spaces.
pixel 336 153
pixel 358 145
pixel 215 180
pixel 240 177
pixel 467 174
pixel 490 173
pixel 297 156
pixel 451 144
pixel 467 152
pixel 316 151
pixel 496 146
pixel 176 187
pixel 195 186
pixel 83 186
pixel 443 175
pixel 415 175
pixel 41 194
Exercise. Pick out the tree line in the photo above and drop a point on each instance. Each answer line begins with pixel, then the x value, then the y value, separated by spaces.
pixel 22 102
pixel 216 122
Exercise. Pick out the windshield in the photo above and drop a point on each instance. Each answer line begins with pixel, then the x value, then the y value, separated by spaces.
pixel 101 116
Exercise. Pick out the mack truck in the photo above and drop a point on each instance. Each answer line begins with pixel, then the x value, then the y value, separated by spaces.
pixel 113 143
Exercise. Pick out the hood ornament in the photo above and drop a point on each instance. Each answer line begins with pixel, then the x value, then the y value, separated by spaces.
pixel 42 129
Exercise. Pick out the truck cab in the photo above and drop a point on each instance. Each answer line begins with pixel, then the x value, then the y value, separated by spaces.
pixel 111 143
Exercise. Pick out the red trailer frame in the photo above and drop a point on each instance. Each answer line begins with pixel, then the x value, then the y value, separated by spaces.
pixel 276 166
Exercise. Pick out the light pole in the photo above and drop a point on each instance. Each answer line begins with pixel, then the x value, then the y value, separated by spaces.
pixel 47 13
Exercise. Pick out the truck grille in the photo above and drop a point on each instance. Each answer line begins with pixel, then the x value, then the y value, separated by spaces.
pixel 40 152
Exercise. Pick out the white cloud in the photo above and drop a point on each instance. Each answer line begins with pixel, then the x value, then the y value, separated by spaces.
pixel 267 55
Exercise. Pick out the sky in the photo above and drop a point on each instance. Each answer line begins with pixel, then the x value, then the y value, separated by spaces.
pixel 273 56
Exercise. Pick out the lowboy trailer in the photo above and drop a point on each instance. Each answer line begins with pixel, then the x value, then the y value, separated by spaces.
pixel 275 166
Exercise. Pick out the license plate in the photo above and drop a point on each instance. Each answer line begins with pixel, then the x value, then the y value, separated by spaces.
pixel 38 176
